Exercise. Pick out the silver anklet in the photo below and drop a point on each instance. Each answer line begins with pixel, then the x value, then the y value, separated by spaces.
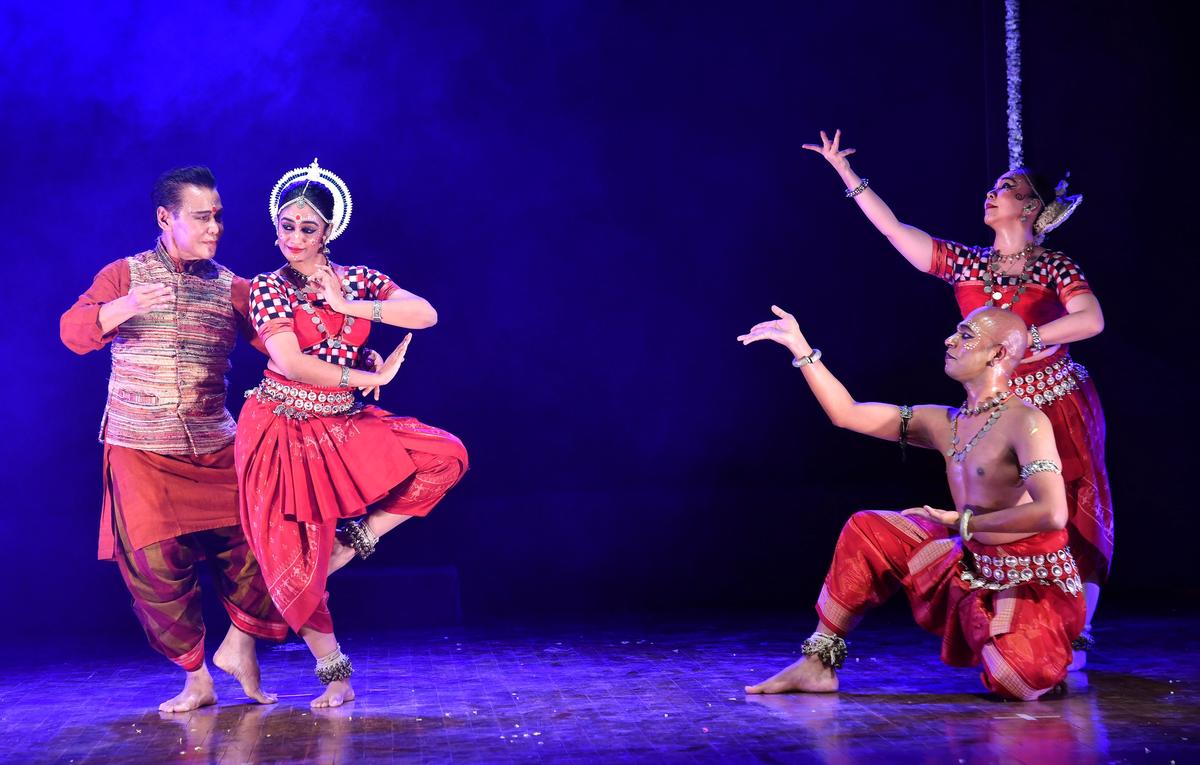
pixel 830 649
pixel 335 666
pixel 1085 641
pixel 358 535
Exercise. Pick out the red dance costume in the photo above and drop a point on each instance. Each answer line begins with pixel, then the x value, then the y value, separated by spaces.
pixel 1057 385
pixel 1013 608
pixel 308 455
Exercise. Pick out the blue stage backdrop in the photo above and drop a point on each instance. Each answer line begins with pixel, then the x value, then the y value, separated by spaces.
pixel 598 197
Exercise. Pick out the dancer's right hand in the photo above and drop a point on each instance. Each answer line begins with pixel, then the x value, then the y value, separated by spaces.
pixel 144 298
pixel 783 330
pixel 391 364
pixel 832 151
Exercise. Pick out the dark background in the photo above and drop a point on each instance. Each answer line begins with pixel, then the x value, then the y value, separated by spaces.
pixel 598 197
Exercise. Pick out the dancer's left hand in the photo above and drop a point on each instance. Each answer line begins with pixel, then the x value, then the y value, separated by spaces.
pixel 372 361
pixel 941 517
pixel 329 288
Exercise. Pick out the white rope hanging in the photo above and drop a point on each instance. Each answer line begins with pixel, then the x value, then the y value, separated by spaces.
pixel 1012 57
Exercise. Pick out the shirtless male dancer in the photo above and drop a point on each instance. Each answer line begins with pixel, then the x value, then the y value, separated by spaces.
pixel 994 577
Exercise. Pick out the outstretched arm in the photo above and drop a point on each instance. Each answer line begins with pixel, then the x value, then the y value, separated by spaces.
pixel 914 244
pixel 871 419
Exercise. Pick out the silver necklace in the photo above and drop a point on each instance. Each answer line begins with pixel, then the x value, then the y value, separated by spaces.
pixel 958 455
pixel 991 275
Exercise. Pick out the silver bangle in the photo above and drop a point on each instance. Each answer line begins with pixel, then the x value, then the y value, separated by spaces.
pixel 964 520
pixel 377 311
pixel 811 358
pixel 345 381
pixel 860 188
pixel 1036 334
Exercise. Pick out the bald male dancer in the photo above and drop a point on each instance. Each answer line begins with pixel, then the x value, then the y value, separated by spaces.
pixel 994 578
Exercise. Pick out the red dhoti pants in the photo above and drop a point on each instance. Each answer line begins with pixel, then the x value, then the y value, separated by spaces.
pixel 162 578
pixel 1021 635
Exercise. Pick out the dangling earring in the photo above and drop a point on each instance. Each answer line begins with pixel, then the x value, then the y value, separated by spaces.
pixel 276 241
pixel 1025 215
pixel 325 251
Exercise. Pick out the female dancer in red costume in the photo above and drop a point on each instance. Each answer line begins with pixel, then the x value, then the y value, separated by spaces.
pixel 1048 291
pixel 309 454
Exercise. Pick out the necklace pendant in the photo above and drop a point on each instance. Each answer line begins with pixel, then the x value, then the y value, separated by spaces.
pixel 997 295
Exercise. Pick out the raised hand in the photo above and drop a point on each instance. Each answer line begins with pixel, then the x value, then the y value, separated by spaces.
pixel 144 298
pixel 391 364
pixel 783 330
pixel 329 288
pixel 941 517
pixel 832 151
pixel 372 362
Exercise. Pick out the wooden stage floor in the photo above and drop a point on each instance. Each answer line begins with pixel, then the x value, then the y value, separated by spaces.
pixel 670 693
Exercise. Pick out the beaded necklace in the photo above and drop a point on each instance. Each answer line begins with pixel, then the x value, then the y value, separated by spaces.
pixel 991 403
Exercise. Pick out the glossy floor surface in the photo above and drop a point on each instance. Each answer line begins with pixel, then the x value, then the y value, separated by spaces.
pixel 672 693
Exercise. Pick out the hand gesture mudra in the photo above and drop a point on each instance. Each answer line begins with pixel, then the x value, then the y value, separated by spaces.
pixel 329 288
pixel 832 151
pixel 783 330
pixel 391 364
pixel 144 298
pixel 372 362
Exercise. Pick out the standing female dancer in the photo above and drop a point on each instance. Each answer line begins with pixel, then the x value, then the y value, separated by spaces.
pixel 309 454
pixel 1048 291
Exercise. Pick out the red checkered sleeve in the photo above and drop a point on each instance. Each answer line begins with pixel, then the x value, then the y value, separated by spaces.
pixel 1066 278
pixel 369 284
pixel 953 262
pixel 270 306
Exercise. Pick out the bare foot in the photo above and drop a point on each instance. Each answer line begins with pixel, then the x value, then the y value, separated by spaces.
pixel 336 693
pixel 808 675
pixel 236 657
pixel 197 692
pixel 342 554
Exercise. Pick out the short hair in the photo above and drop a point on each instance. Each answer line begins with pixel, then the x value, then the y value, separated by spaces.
pixel 169 186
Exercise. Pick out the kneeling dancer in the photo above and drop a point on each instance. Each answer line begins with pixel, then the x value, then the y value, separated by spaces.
pixel 1004 591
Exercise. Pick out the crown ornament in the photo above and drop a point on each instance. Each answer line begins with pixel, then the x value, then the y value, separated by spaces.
pixel 314 173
